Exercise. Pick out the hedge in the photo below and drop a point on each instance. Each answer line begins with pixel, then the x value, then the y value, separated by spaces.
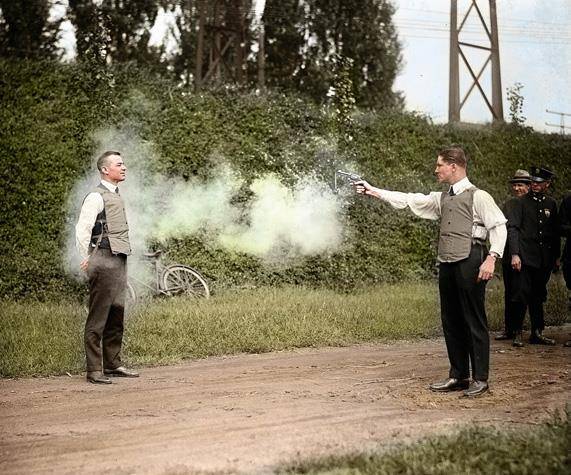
pixel 51 117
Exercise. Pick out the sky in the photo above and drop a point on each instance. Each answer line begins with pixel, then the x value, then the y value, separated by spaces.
pixel 535 51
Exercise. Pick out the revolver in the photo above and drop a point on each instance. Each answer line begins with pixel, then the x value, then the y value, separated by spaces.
pixel 346 176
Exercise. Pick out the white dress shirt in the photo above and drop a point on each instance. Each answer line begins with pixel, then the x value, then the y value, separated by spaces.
pixel 92 206
pixel 488 218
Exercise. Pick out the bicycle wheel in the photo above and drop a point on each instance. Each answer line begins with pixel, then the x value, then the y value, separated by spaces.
pixel 183 280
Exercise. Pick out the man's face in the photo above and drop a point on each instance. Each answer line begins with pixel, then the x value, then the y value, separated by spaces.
pixel 115 169
pixel 519 189
pixel 444 171
pixel 539 186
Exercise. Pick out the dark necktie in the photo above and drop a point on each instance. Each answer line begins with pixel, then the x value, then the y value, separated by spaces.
pixel 117 190
pixel 451 191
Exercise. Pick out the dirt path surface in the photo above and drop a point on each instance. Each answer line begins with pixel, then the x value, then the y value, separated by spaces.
pixel 248 413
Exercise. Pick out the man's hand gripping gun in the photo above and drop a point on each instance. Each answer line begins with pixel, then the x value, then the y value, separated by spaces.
pixel 346 177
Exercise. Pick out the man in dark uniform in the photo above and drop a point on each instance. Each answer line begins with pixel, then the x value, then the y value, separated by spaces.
pixel 565 231
pixel 565 227
pixel 519 185
pixel 533 236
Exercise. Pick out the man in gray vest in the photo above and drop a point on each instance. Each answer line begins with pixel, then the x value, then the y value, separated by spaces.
pixel 102 239
pixel 467 217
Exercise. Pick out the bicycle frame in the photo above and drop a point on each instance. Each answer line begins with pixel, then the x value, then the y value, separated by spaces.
pixel 158 268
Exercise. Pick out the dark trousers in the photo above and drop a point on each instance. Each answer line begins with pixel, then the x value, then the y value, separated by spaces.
pixel 534 293
pixel 566 265
pixel 514 305
pixel 103 336
pixel 463 315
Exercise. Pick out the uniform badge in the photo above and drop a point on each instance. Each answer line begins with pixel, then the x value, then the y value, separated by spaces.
pixel 547 213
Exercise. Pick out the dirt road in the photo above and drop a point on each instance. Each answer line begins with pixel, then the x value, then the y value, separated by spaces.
pixel 248 413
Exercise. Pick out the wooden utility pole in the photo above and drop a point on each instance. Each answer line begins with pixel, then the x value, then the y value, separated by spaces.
pixel 200 43
pixel 222 41
pixel 261 57
pixel 457 47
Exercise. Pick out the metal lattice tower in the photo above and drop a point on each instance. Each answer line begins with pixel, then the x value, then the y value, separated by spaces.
pixel 457 51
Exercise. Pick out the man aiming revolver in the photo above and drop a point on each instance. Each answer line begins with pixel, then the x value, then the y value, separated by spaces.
pixel 467 217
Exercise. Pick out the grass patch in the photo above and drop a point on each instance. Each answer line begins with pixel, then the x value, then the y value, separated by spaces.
pixel 543 449
pixel 47 338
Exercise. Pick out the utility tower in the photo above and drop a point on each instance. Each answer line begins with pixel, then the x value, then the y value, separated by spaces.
pixel 561 124
pixel 458 50
pixel 222 41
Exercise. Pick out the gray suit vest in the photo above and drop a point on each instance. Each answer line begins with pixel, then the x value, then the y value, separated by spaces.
pixel 457 220
pixel 111 224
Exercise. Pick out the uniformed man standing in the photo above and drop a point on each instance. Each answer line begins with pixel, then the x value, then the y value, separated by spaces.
pixel 565 231
pixel 467 217
pixel 519 185
pixel 535 244
pixel 102 238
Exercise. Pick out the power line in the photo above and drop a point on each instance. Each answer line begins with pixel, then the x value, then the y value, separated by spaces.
pixel 440 26
pixel 561 124
pixel 522 20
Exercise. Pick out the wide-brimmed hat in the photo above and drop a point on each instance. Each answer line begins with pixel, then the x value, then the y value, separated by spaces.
pixel 521 176
pixel 539 174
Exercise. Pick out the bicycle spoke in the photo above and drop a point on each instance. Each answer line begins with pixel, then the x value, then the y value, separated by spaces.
pixel 182 280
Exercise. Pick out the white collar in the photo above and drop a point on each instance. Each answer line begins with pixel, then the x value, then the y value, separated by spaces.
pixel 110 186
pixel 461 185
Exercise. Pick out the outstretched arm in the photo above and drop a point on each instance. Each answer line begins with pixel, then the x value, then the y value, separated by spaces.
pixel 424 206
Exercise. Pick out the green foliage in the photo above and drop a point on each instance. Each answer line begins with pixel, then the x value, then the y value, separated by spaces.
pixel 26 30
pixel 361 30
pixel 471 450
pixel 515 100
pixel 344 99
pixel 49 116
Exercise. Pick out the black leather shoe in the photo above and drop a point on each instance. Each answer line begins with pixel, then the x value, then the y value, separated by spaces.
pixel 450 384
pixel 121 371
pixel 504 336
pixel 537 338
pixel 96 377
pixel 518 343
pixel 477 388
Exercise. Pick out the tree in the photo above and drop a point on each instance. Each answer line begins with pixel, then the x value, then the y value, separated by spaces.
pixel 303 37
pixel 516 104
pixel 26 30
pixel 124 25
pixel 91 38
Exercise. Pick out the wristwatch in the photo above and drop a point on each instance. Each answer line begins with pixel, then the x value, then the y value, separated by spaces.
pixel 494 255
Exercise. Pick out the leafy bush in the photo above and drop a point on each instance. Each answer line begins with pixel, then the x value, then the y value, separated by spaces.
pixel 49 112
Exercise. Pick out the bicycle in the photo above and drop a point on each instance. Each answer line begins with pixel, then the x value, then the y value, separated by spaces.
pixel 170 280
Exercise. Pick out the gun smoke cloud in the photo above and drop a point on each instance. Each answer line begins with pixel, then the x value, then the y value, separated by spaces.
pixel 276 224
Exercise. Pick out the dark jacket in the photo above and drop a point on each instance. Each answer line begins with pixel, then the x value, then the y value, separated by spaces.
pixel 565 226
pixel 533 230
pixel 507 209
